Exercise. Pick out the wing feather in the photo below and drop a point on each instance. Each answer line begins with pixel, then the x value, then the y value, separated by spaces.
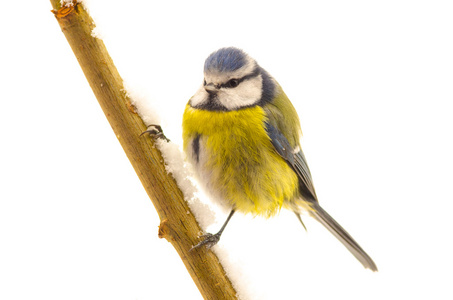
pixel 296 160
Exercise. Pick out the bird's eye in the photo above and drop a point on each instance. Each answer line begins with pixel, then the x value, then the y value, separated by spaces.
pixel 204 81
pixel 232 83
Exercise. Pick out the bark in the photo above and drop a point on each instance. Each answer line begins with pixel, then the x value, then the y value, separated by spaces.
pixel 177 225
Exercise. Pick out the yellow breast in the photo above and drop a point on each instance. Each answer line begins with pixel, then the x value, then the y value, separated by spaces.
pixel 236 161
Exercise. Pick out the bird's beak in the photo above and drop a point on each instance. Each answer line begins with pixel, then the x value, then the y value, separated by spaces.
pixel 211 88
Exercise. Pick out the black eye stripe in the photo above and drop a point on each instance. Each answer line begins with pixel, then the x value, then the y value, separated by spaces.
pixel 255 73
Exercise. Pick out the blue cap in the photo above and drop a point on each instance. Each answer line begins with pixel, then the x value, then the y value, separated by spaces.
pixel 225 60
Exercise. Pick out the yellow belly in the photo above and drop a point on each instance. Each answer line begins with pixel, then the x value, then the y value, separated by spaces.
pixel 236 161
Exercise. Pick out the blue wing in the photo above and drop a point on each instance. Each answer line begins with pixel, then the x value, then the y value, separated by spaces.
pixel 296 160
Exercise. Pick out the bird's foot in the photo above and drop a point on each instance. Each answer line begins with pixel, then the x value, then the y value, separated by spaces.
pixel 156 131
pixel 209 240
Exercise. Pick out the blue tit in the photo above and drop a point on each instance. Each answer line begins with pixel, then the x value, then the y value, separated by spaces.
pixel 241 135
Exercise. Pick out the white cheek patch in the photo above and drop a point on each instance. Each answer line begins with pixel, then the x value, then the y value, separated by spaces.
pixel 247 93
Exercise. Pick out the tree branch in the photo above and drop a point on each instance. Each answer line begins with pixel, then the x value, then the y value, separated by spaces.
pixel 177 226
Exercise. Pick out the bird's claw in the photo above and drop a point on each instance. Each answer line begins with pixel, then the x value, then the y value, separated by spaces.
pixel 209 240
pixel 156 131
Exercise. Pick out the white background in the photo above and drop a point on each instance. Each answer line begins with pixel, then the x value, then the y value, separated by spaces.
pixel 371 80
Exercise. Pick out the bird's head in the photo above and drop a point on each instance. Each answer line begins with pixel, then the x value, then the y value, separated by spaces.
pixel 232 80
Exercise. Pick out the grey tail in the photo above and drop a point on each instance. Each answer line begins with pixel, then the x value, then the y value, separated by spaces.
pixel 325 219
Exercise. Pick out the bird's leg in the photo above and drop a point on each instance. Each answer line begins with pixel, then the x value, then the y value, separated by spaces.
pixel 156 131
pixel 212 239
pixel 300 219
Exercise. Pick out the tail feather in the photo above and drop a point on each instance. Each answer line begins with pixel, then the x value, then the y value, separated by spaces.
pixel 325 219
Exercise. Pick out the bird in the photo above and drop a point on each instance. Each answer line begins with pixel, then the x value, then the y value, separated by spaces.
pixel 241 134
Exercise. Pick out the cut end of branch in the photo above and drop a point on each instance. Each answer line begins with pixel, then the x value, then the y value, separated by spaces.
pixel 64 11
